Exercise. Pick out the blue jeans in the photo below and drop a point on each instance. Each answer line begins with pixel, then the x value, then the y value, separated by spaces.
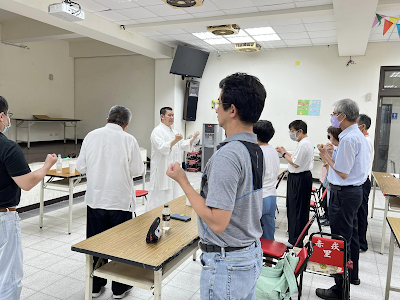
pixel 11 270
pixel 268 217
pixel 231 275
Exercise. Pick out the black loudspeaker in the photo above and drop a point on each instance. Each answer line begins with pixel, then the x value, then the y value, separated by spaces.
pixel 190 102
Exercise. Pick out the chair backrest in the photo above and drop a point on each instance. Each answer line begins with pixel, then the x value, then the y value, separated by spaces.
pixel 302 255
pixel 328 251
pixel 304 231
pixel 280 177
pixel 324 194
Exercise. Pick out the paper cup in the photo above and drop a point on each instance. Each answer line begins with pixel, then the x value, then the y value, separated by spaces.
pixel 187 200
pixel 71 167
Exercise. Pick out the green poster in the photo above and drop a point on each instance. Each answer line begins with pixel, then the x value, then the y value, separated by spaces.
pixel 302 107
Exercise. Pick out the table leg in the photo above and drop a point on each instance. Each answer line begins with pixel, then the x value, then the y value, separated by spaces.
pixel 144 176
pixel 390 263
pixel 157 284
pixel 384 224
pixel 89 278
pixel 76 133
pixel 71 199
pixel 29 135
pixel 41 200
pixel 65 125
pixel 373 198
pixel 194 255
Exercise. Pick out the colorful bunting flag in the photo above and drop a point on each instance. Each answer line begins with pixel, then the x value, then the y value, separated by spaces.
pixel 387 26
pixel 393 19
pixel 398 29
pixel 375 22
pixel 379 18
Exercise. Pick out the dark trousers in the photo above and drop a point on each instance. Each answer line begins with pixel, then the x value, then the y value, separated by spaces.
pixel 343 208
pixel 363 216
pixel 99 220
pixel 298 196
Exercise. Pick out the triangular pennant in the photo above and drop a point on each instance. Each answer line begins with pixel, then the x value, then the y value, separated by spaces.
pixel 387 26
pixel 398 29
pixel 379 17
pixel 375 22
pixel 393 19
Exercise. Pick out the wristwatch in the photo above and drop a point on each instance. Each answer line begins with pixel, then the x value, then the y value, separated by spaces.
pixel 283 155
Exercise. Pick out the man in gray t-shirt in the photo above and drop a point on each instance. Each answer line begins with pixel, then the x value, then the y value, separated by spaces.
pixel 229 206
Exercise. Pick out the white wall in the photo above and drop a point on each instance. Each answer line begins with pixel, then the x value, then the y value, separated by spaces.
pixel 322 75
pixel 24 82
pixel 102 82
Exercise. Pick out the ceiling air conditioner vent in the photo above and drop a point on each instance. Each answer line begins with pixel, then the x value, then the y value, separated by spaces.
pixel 224 29
pixel 184 3
pixel 248 47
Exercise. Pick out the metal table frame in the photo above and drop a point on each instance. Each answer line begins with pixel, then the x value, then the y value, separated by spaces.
pixel 393 239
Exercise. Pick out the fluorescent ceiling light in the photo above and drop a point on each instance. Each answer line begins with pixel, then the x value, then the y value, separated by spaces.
pixel 205 35
pixel 219 41
pixel 241 39
pixel 395 74
pixel 260 31
pixel 266 38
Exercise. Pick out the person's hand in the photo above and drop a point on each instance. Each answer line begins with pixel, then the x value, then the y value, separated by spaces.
pixel 196 134
pixel 51 159
pixel 279 150
pixel 329 149
pixel 176 172
pixel 322 149
pixel 178 137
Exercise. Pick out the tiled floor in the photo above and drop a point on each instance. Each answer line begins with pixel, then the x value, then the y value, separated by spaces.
pixel 53 271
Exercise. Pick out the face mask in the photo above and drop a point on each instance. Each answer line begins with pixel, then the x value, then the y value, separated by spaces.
pixel 293 136
pixel 7 127
pixel 335 121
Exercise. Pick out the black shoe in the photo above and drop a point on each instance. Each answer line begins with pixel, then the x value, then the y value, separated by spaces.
pixel 327 294
pixel 363 250
pixel 355 281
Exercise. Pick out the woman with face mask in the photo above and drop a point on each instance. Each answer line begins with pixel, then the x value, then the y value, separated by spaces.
pixel 299 182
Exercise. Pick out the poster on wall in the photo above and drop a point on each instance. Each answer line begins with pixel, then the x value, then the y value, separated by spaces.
pixel 308 107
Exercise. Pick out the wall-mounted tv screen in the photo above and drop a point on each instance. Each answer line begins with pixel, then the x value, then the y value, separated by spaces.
pixel 189 62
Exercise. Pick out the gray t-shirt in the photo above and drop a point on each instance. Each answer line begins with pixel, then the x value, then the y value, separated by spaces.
pixel 232 181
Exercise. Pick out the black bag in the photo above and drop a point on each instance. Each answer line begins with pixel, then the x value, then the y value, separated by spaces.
pixel 154 233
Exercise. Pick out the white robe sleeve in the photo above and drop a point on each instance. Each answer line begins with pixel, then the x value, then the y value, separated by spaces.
pixel 136 164
pixel 185 145
pixel 81 165
pixel 162 146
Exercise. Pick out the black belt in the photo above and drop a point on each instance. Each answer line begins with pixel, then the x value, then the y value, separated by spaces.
pixel 215 248
pixel 340 187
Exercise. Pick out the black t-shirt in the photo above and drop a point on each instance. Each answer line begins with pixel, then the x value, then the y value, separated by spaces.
pixel 12 164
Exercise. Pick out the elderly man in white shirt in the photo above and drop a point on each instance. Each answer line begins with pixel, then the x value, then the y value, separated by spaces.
pixel 167 146
pixel 110 157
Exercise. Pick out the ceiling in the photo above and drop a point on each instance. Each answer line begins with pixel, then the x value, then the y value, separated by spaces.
pixel 8 16
pixel 293 32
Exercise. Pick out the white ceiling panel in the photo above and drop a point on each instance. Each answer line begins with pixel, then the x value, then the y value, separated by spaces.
pixel 276 7
pixel 244 10
pixel 319 19
pixel 320 26
pixel 313 3
pixel 285 22
pixel 225 47
pixel 137 13
pixel 184 37
pixel 322 34
pixel 298 42
pixel 147 2
pixel 150 33
pixel 117 4
pixel 111 15
pixel 378 37
pixel 270 2
pixel 195 29
pixel 162 38
pixel 165 10
pixel 207 6
pixel 231 4
pixel 289 28
pixel 379 29
pixel 294 36
pixel 173 31
pixel 395 36
pixel 92 6
pixel 178 17
pixel 127 22
pixel 151 20
pixel 273 44
pixel 208 14
pixel 324 41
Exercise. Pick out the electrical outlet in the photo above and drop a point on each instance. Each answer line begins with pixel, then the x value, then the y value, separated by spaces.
pixel 51 134
pixel 56 134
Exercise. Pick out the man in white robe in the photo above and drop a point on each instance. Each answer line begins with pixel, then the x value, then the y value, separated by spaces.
pixel 167 146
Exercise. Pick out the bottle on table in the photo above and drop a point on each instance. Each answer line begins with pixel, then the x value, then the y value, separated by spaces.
pixel 59 164
pixel 166 216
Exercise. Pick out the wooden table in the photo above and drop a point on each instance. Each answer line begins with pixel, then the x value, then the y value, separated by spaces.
pixel 394 224
pixel 67 184
pixel 133 261
pixel 30 122
pixel 390 187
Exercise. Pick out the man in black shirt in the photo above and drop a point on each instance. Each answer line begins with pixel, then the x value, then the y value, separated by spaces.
pixel 14 175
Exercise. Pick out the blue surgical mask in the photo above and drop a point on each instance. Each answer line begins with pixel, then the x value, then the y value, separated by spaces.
pixel 293 136
pixel 7 127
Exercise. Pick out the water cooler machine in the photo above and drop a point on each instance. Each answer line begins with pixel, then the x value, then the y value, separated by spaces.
pixel 212 137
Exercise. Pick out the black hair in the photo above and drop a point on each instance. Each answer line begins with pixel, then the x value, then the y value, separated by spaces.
pixel 334 132
pixel 3 105
pixel 163 110
pixel 246 92
pixel 364 120
pixel 264 130
pixel 299 124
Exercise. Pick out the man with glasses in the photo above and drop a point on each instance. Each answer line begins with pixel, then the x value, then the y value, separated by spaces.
pixel 14 175
pixel 348 170
pixel 299 183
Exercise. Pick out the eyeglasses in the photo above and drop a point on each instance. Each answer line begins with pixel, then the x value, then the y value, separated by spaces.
pixel 335 114
pixel 10 114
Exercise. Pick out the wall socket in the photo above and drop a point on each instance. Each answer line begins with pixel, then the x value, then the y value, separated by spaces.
pixel 51 134
pixel 56 134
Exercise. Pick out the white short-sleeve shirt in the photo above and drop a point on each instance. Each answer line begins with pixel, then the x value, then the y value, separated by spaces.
pixel 303 156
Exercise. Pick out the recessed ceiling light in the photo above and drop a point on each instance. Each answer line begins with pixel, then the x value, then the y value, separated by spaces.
pixel 205 35
pixel 267 37
pixel 241 39
pixel 218 41
pixel 260 31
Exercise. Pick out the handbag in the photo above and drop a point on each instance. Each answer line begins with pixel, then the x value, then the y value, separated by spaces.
pixel 278 282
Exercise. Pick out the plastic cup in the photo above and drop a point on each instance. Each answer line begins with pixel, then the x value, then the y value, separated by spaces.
pixel 187 200
pixel 72 167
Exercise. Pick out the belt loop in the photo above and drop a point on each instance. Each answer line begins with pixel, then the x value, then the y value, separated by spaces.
pixel 222 252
